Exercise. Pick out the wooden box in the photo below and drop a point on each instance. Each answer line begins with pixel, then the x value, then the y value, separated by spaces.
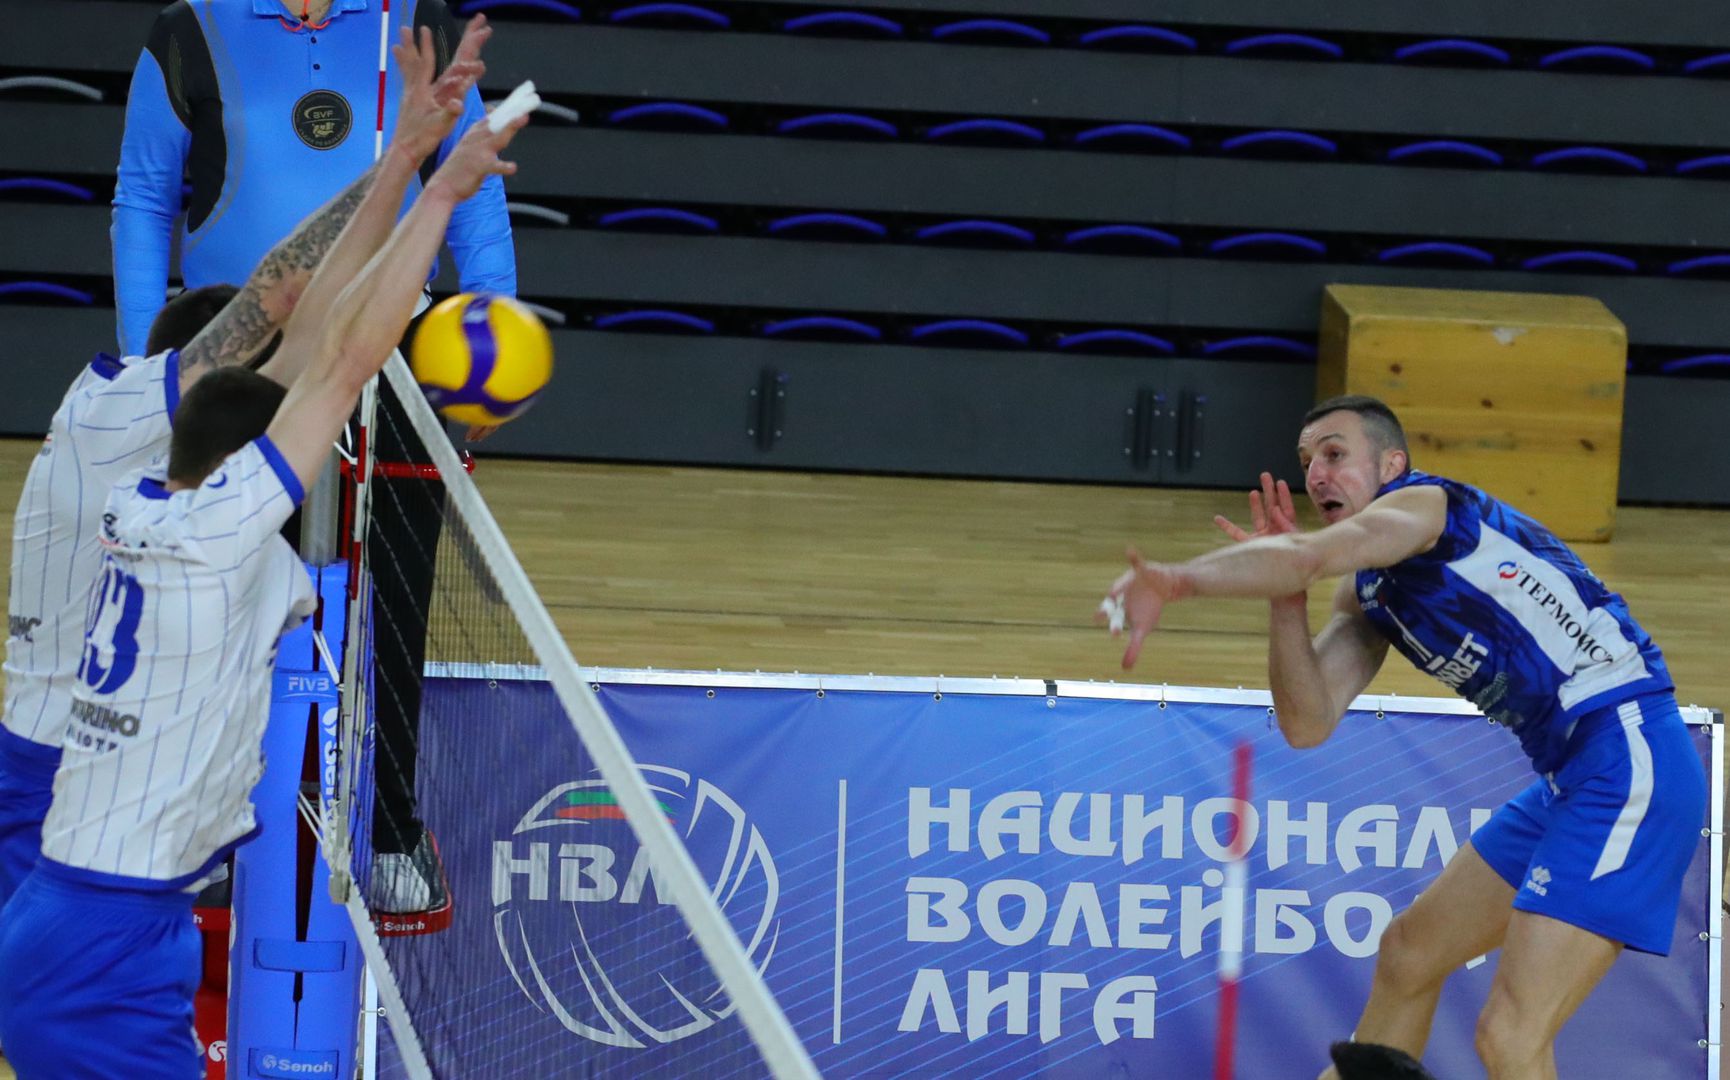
pixel 1516 393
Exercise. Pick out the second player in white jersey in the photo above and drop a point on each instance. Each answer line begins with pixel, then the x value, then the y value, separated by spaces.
pixel 172 690
pixel 113 420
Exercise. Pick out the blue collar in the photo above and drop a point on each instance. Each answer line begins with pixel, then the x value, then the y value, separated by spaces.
pixel 1405 479
pixel 152 489
pixel 273 9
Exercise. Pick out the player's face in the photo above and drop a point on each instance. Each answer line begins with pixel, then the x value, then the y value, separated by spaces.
pixel 1342 468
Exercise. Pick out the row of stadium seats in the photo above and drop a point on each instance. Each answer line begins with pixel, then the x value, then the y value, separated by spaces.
pixel 961 332
pixel 989 29
pixel 1118 137
pixel 1122 238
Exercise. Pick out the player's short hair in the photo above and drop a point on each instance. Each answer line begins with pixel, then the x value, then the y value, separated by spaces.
pixel 223 411
pixel 1380 423
pixel 190 311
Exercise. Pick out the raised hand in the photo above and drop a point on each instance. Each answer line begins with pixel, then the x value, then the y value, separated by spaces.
pixel 431 106
pixel 1142 591
pixel 475 158
pixel 1271 512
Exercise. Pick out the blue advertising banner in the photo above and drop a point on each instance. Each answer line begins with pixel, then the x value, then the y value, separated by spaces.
pixel 968 885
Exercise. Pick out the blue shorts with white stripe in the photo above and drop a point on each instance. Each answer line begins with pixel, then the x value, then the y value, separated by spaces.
pixel 1604 842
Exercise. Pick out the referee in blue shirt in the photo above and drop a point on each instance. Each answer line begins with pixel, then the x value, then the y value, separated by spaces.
pixel 268 108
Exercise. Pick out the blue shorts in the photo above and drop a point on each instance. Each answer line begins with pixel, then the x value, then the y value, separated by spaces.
pixel 1604 842
pixel 99 982
pixel 26 788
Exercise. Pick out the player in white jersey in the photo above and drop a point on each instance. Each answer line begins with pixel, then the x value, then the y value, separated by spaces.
pixel 170 697
pixel 116 418
pixel 1589 858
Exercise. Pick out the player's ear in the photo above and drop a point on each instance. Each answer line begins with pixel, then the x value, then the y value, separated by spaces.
pixel 1394 464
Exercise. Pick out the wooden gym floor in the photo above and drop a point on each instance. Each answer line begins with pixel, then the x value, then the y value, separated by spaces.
pixel 650 566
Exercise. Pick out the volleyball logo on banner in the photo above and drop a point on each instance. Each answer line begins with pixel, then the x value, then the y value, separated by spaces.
pixel 588 933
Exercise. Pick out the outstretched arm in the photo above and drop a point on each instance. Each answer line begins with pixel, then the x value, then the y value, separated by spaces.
pixel 369 316
pixel 1393 528
pixel 344 233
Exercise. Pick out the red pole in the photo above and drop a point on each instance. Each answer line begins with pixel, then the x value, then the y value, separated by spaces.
pixel 1231 957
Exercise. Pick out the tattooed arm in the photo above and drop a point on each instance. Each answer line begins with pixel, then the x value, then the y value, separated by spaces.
pixel 339 239
pixel 247 323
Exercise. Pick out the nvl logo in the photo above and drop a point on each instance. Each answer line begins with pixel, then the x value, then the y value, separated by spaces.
pixel 589 934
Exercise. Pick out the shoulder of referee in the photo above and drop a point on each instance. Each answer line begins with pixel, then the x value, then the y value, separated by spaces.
pixel 177 44
pixel 436 14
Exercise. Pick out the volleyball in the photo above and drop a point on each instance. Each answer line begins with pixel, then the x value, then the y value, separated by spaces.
pixel 480 358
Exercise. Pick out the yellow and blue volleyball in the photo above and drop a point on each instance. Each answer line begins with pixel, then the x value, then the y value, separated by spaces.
pixel 481 359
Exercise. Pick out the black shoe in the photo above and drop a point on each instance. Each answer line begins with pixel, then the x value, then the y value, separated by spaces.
pixel 1372 1061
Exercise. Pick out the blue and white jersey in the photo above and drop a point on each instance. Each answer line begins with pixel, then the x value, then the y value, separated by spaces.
pixel 113 420
pixel 1509 617
pixel 172 693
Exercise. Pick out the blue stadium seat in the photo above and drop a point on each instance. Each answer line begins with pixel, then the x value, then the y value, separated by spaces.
pixel 1452 51
pixel 990 32
pixel 822 328
pixel 50 289
pixel 1280 143
pixel 655 319
pixel 1716 363
pixel 1593 261
pixel 824 225
pixel 37 186
pixel 1710 165
pixel 1268 244
pixel 1700 266
pixel 670 15
pixel 987 132
pixel 664 219
pixel 838 124
pixel 844 24
pixel 1260 346
pixel 967 332
pixel 668 116
pixel 1603 58
pixel 547 7
pixel 1296 46
pixel 1588 159
pixel 976 231
pixel 1122 240
pixel 1114 340
pixel 1716 64
pixel 1444 152
pixel 1445 253
pixel 1139 37
pixel 1131 137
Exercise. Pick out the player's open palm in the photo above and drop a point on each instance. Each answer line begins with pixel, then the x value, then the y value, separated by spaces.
pixel 1271 512
pixel 1135 600
pixel 476 157
pixel 433 102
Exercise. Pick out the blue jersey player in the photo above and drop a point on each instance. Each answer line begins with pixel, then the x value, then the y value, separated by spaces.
pixel 1586 861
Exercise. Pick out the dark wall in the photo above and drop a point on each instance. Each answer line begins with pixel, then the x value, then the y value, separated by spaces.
pixel 1110 321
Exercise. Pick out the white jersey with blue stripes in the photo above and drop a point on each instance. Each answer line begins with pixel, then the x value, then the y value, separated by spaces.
pixel 173 690
pixel 113 420
pixel 1508 616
